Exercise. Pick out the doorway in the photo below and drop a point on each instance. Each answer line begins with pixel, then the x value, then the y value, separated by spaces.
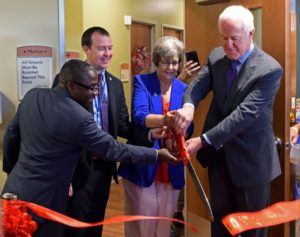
pixel 141 41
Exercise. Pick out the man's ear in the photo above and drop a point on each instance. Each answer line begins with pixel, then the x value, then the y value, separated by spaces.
pixel 251 33
pixel 70 86
pixel 85 48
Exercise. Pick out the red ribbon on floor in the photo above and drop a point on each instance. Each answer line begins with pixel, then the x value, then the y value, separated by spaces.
pixel 278 213
pixel 17 222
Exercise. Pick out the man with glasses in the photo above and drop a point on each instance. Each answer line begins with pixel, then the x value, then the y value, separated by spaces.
pixel 93 88
pixel 54 126
pixel 92 180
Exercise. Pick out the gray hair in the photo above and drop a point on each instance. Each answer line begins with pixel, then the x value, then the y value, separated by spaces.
pixel 238 13
pixel 167 47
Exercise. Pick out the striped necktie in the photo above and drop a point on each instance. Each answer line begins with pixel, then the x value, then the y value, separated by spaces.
pixel 104 104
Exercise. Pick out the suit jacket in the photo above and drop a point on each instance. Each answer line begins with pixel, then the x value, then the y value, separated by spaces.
pixel 11 150
pixel 240 122
pixel 147 100
pixel 54 129
pixel 119 125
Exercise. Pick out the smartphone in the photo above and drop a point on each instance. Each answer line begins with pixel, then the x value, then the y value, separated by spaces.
pixel 192 55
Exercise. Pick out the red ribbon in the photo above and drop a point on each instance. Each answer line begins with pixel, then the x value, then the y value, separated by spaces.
pixel 278 213
pixel 17 222
pixel 176 141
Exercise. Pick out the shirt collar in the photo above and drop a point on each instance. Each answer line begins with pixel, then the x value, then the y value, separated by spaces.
pixel 246 54
pixel 102 72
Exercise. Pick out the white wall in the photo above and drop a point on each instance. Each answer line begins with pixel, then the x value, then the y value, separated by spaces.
pixel 30 22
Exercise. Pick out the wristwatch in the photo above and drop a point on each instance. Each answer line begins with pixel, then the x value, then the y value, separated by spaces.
pixel 204 142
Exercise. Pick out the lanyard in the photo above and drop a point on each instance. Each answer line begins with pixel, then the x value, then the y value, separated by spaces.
pixel 97 105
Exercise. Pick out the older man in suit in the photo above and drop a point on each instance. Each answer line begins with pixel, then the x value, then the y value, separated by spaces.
pixel 237 143
pixel 54 126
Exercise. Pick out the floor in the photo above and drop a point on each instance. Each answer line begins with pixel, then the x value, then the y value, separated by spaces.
pixel 115 208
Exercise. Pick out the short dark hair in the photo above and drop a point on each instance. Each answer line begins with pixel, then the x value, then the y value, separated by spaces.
pixel 75 70
pixel 86 38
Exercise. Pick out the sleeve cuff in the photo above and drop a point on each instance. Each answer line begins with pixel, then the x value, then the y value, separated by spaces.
pixel 206 139
pixel 149 136
pixel 189 104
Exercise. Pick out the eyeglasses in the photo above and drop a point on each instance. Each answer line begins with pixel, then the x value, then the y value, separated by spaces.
pixel 93 88
pixel 168 63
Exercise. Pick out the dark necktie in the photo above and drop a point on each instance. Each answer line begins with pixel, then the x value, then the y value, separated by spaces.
pixel 231 73
pixel 104 105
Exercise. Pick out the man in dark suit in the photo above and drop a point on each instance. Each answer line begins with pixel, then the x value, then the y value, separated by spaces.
pixel 237 143
pixel 54 126
pixel 91 194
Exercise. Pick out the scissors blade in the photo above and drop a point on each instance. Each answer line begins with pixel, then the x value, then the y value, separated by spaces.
pixel 200 189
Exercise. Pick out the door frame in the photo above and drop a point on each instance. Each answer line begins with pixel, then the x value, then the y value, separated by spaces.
pixel 175 28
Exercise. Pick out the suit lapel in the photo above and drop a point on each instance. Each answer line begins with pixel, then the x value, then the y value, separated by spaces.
pixel 247 69
pixel 156 96
pixel 220 89
pixel 243 76
pixel 222 70
pixel 112 101
pixel 175 100
pixel 91 110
